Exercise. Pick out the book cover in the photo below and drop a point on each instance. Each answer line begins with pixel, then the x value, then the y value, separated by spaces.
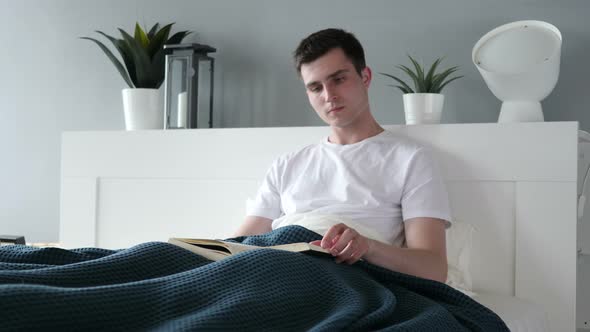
pixel 219 249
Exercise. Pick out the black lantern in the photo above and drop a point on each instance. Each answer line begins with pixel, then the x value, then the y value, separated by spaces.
pixel 188 96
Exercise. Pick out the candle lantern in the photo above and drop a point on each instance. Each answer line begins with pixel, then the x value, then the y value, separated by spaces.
pixel 188 91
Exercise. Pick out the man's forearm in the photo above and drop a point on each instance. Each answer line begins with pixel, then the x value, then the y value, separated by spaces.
pixel 417 262
pixel 254 225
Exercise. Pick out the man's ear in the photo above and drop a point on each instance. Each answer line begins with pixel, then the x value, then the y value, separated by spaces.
pixel 366 75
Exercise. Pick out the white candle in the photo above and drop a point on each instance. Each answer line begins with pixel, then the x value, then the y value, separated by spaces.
pixel 182 110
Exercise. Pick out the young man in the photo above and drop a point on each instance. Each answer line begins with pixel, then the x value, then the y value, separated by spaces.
pixel 386 187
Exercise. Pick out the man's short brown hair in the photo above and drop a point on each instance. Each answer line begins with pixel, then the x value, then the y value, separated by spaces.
pixel 319 43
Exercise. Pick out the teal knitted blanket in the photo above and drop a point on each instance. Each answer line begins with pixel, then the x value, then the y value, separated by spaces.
pixel 158 286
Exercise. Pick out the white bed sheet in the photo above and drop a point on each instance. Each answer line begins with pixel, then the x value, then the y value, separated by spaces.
pixel 519 315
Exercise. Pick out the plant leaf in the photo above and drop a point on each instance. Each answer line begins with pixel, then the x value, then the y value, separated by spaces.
pixel 132 69
pixel 403 84
pixel 143 69
pixel 447 82
pixel 430 74
pixel 123 50
pixel 153 31
pixel 114 60
pixel 140 36
pixel 178 37
pixel 414 77
pixel 404 90
pixel 439 78
pixel 158 41
pixel 421 86
pixel 158 68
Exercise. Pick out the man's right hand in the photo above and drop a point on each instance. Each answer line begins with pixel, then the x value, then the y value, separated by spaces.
pixel 344 243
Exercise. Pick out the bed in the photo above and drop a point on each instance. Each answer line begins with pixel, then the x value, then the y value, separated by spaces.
pixel 514 184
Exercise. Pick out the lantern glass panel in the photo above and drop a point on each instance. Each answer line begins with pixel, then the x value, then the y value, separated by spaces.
pixel 179 71
pixel 204 98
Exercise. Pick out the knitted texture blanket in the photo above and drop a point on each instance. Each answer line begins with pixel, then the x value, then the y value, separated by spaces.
pixel 159 286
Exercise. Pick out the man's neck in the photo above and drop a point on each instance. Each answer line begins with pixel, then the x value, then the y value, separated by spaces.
pixel 351 135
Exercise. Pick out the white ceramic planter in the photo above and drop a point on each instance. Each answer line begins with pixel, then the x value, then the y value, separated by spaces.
pixel 143 109
pixel 423 108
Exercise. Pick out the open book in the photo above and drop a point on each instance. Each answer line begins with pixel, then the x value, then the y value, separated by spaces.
pixel 218 249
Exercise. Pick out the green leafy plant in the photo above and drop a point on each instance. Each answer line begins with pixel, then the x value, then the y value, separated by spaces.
pixel 143 54
pixel 424 82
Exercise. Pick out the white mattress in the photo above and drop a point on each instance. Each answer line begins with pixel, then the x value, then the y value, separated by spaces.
pixel 519 315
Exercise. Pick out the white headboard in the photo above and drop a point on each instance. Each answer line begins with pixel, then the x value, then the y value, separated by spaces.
pixel 515 182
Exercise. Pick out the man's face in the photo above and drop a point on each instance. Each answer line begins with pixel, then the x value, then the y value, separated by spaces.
pixel 337 93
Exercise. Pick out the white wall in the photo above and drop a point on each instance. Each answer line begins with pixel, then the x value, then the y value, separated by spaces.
pixel 52 81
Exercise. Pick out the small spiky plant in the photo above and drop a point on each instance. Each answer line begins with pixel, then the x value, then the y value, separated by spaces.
pixel 143 54
pixel 430 82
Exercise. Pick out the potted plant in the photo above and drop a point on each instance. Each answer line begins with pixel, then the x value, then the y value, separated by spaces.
pixel 142 69
pixel 424 103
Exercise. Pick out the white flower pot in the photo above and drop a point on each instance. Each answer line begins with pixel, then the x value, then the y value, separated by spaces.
pixel 143 109
pixel 423 108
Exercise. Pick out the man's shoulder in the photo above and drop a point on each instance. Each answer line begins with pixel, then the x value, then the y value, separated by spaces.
pixel 400 142
pixel 300 153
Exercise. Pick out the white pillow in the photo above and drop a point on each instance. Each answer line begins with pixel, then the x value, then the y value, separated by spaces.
pixel 459 242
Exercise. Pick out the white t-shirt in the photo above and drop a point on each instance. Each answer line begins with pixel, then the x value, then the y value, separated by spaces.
pixel 375 184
